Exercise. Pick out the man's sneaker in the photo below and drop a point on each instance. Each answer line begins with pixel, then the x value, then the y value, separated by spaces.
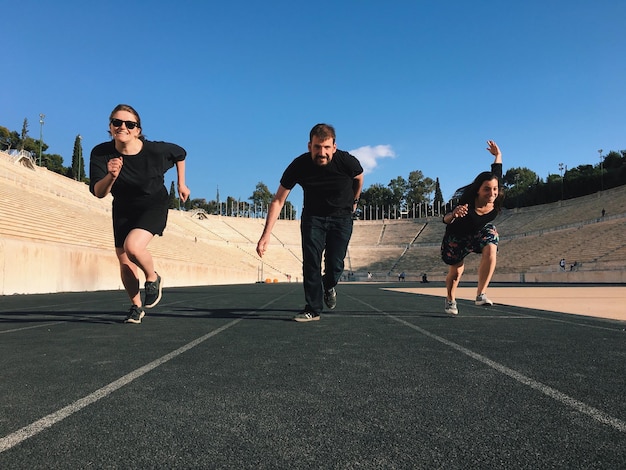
pixel 330 298
pixel 451 307
pixel 305 316
pixel 135 314
pixel 152 293
pixel 483 300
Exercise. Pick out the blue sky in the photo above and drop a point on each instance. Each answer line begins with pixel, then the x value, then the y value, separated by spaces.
pixel 409 85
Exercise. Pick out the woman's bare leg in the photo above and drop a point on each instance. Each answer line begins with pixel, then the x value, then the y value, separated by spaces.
pixel 453 278
pixel 129 273
pixel 136 247
pixel 486 268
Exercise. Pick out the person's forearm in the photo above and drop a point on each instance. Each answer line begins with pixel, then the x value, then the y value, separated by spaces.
pixel 103 187
pixel 357 186
pixel 448 218
pixel 180 169
pixel 272 216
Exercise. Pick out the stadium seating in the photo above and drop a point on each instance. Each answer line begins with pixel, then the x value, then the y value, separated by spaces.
pixel 52 227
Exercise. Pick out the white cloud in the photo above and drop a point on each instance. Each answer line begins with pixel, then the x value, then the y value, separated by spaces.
pixel 369 156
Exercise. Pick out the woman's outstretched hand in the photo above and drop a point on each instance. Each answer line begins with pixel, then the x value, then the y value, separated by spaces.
pixel 493 148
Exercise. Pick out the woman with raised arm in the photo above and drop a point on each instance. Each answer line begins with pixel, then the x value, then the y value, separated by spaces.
pixel 469 230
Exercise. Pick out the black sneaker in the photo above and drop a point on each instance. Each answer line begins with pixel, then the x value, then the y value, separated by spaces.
pixel 330 298
pixel 305 316
pixel 135 314
pixel 152 293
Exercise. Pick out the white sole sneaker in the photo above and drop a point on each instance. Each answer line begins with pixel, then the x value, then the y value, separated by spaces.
pixel 451 308
pixel 483 300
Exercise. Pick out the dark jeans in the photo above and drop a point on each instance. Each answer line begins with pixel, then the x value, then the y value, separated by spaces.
pixel 318 234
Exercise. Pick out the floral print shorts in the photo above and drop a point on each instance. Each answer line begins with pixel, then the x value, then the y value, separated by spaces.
pixel 454 248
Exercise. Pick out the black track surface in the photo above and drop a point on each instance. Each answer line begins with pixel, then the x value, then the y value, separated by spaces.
pixel 220 377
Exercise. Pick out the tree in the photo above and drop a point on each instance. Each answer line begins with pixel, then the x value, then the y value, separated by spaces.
pixel 438 201
pixel 198 203
pixel 419 189
pixel 77 170
pixel 377 195
pixel 398 187
pixel 24 142
pixel 614 169
pixel 10 139
pixel 24 134
pixel 54 162
pixel 174 202
pixel 5 138
pixel 31 145
pixel 261 198
pixel 376 201
pixel 231 206
pixel 518 183
pixel 613 160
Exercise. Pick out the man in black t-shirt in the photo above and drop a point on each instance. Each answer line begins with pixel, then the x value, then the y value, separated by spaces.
pixel 332 181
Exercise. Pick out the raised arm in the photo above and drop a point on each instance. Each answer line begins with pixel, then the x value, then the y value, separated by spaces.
pixel 495 151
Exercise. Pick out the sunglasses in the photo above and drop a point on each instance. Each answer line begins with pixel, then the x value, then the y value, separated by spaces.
pixel 129 124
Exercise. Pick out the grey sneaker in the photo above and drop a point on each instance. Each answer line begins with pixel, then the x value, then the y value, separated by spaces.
pixel 483 300
pixel 152 293
pixel 305 316
pixel 135 314
pixel 330 298
pixel 451 307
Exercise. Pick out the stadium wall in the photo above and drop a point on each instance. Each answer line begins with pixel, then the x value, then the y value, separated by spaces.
pixel 42 267
pixel 582 277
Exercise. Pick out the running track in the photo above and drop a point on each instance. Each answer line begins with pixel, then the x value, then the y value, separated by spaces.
pixel 220 377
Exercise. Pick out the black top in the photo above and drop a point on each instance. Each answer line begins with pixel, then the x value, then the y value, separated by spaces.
pixel 328 189
pixel 142 179
pixel 473 222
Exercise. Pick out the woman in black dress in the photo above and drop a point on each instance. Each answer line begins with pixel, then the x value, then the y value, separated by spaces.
pixel 132 169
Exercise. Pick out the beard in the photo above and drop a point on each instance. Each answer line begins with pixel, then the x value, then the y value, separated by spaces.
pixel 321 160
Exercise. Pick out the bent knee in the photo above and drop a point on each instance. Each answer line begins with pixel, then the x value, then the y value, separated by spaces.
pixel 456 270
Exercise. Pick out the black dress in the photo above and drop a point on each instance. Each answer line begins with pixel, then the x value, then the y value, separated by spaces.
pixel 140 198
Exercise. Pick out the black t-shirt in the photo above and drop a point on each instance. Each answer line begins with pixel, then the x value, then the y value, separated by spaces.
pixel 328 190
pixel 141 181
pixel 473 222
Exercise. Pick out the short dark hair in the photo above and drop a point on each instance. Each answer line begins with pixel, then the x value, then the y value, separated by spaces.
pixel 322 131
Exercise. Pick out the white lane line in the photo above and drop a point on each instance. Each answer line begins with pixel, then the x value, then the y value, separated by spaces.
pixel 561 397
pixel 13 439
pixel 77 314
pixel 31 327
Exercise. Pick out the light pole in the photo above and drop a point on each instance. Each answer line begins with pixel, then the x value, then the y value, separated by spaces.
pixel 41 117
pixel 80 155
pixel 601 170
pixel 561 171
